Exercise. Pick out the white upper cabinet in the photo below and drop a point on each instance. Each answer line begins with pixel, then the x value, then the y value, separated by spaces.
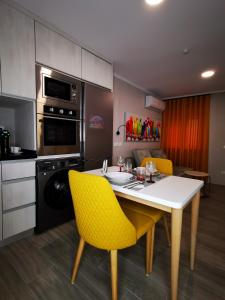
pixel 17 53
pixel 96 70
pixel 54 51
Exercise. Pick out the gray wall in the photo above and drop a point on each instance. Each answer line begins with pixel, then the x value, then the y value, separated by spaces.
pixel 217 139
pixel 7 119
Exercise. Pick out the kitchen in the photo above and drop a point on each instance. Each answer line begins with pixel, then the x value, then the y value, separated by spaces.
pixel 48 83
pixel 58 127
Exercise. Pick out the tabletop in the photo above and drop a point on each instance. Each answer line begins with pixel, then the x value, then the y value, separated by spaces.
pixel 196 173
pixel 171 191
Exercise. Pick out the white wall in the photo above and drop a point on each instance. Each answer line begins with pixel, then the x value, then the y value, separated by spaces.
pixel 129 99
pixel 217 139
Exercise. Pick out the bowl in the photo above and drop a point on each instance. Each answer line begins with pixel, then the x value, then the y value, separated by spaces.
pixel 118 177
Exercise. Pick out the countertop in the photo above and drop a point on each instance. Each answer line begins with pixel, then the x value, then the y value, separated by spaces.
pixel 27 154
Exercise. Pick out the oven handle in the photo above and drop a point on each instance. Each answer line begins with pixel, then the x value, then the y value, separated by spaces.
pixel 58 118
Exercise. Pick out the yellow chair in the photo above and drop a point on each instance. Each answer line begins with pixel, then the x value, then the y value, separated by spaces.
pixel 163 166
pixel 102 223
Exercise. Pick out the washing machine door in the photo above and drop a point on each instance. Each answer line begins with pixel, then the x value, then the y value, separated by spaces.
pixel 57 191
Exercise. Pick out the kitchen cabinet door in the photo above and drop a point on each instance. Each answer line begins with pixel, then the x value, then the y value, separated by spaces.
pixel 17 53
pixel 17 221
pixel 97 70
pixel 18 193
pixel 18 169
pixel 55 51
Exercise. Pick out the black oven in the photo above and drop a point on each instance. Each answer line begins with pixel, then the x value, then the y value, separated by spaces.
pixel 58 130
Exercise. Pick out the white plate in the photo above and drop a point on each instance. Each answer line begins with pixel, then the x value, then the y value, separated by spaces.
pixel 119 177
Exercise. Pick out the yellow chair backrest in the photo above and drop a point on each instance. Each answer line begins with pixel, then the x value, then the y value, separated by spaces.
pixel 162 165
pixel 99 217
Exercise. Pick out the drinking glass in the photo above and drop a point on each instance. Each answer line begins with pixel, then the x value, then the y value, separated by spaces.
pixel 141 173
pixel 120 162
pixel 150 168
pixel 128 166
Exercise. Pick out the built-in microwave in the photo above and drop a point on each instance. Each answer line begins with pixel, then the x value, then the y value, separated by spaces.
pixel 58 89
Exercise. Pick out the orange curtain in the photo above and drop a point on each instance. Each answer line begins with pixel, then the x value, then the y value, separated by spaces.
pixel 185 131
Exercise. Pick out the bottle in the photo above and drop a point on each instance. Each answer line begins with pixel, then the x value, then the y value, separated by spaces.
pixel 5 143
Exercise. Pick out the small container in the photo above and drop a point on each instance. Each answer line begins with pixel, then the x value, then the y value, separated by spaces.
pixel 141 173
pixel 15 149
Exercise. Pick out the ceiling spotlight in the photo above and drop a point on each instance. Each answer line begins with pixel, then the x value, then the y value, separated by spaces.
pixel 207 74
pixel 153 2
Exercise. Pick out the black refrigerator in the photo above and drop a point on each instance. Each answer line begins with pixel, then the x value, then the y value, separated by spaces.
pixel 97 126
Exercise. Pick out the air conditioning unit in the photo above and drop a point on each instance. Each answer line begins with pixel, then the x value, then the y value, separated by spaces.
pixel 154 103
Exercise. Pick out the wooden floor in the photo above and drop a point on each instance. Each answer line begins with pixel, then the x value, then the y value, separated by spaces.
pixel 39 267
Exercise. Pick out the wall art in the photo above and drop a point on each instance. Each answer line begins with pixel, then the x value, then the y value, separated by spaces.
pixel 142 129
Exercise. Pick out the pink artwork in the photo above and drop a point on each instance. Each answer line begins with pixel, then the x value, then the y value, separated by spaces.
pixel 140 129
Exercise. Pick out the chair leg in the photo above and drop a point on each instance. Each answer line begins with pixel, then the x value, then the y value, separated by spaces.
pixel 150 235
pixel 166 229
pixel 77 259
pixel 113 254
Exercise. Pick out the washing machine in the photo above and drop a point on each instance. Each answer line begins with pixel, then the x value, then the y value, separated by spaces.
pixel 54 202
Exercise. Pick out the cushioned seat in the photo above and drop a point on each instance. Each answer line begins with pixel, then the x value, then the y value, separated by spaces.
pixel 140 222
pixel 102 223
pixel 154 213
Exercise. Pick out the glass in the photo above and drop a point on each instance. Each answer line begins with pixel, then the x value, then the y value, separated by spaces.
pixel 150 168
pixel 128 166
pixel 141 173
pixel 120 162
pixel 57 89
pixel 59 132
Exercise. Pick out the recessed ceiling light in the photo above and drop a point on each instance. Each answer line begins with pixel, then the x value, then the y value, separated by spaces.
pixel 207 74
pixel 153 2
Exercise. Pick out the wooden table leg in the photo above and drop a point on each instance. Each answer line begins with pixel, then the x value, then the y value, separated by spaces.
pixel 194 227
pixel 176 227
pixel 114 280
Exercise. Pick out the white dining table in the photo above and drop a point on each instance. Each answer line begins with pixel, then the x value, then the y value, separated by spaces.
pixel 171 194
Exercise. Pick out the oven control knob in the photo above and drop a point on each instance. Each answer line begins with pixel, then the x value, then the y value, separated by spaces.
pixel 51 109
pixel 70 112
pixel 61 111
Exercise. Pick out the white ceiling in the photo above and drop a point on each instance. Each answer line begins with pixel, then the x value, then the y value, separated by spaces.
pixel 146 43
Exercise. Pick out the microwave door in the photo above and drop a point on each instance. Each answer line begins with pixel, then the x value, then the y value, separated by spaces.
pixel 58 89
